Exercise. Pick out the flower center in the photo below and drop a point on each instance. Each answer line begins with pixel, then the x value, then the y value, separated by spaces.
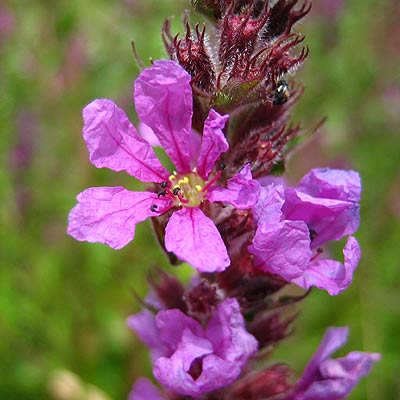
pixel 188 190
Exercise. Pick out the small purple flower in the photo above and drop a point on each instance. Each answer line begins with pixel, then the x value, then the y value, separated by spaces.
pixel 325 378
pixel 292 224
pixel 189 359
pixel 163 100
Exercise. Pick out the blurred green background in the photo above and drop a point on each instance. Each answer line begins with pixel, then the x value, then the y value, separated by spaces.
pixel 63 303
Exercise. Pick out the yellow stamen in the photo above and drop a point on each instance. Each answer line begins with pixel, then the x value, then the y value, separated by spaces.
pixel 198 187
pixel 184 180
pixel 171 178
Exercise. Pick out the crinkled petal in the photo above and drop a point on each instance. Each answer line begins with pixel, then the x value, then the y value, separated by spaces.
pixel 282 249
pixel 330 389
pixel 242 192
pixel 195 142
pixel 144 325
pixel 333 379
pixel 163 100
pixel 147 134
pixel 213 143
pixel 188 345
pixel 194 238
pixel 172 372
pixel 268 208
pixel 332 276
pixel 216 373
pixel 222 349
pixel 113 143
pixel 191 347
pixel 227 331
pixel 195 147
pixel 330 219
pixel 272 179
pixel 333 340
pixel 109 214
pixel 354 365
pixel 339 376
pixel 332 184
pixel 172 323
pixel 143 389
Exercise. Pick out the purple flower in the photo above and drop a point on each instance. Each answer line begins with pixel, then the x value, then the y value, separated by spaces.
pixel 325 378
pixel 143 389
pixel 292 224
pixel 189 359
pixel 163 100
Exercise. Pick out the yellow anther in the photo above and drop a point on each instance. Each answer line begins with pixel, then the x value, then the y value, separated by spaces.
pixel 198 187
pixel 184 180
pixel 171 178
pixel 176 186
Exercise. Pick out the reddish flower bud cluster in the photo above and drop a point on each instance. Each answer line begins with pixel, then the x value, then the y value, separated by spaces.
pixel 237 66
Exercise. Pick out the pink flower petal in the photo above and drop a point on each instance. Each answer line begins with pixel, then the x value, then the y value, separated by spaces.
pixel 163 99
pixel 216 373
pixel 222 351
pixel 147 134
pixel 333 340
pixel 143 389
pixel 338 377
pixel 330 275
pixel 242 192
pixel 173 372
pixel 354 365
pixel 113 143
pixel 332 184
pixel 213 143
pixel 283 249
pixel 194 238
pixel 171 325
pixel 272 179
pixel 144 325
pixel 195 146
pixel 325 378
pixel 190 347
pixel 331 219
pixel 227 332
pixel 268 208
pixel 109 214
pixel 195 142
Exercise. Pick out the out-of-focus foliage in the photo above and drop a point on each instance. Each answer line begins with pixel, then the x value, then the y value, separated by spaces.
pixel 64 303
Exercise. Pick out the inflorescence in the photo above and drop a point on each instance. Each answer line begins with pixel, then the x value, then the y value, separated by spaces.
pixel 220 109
